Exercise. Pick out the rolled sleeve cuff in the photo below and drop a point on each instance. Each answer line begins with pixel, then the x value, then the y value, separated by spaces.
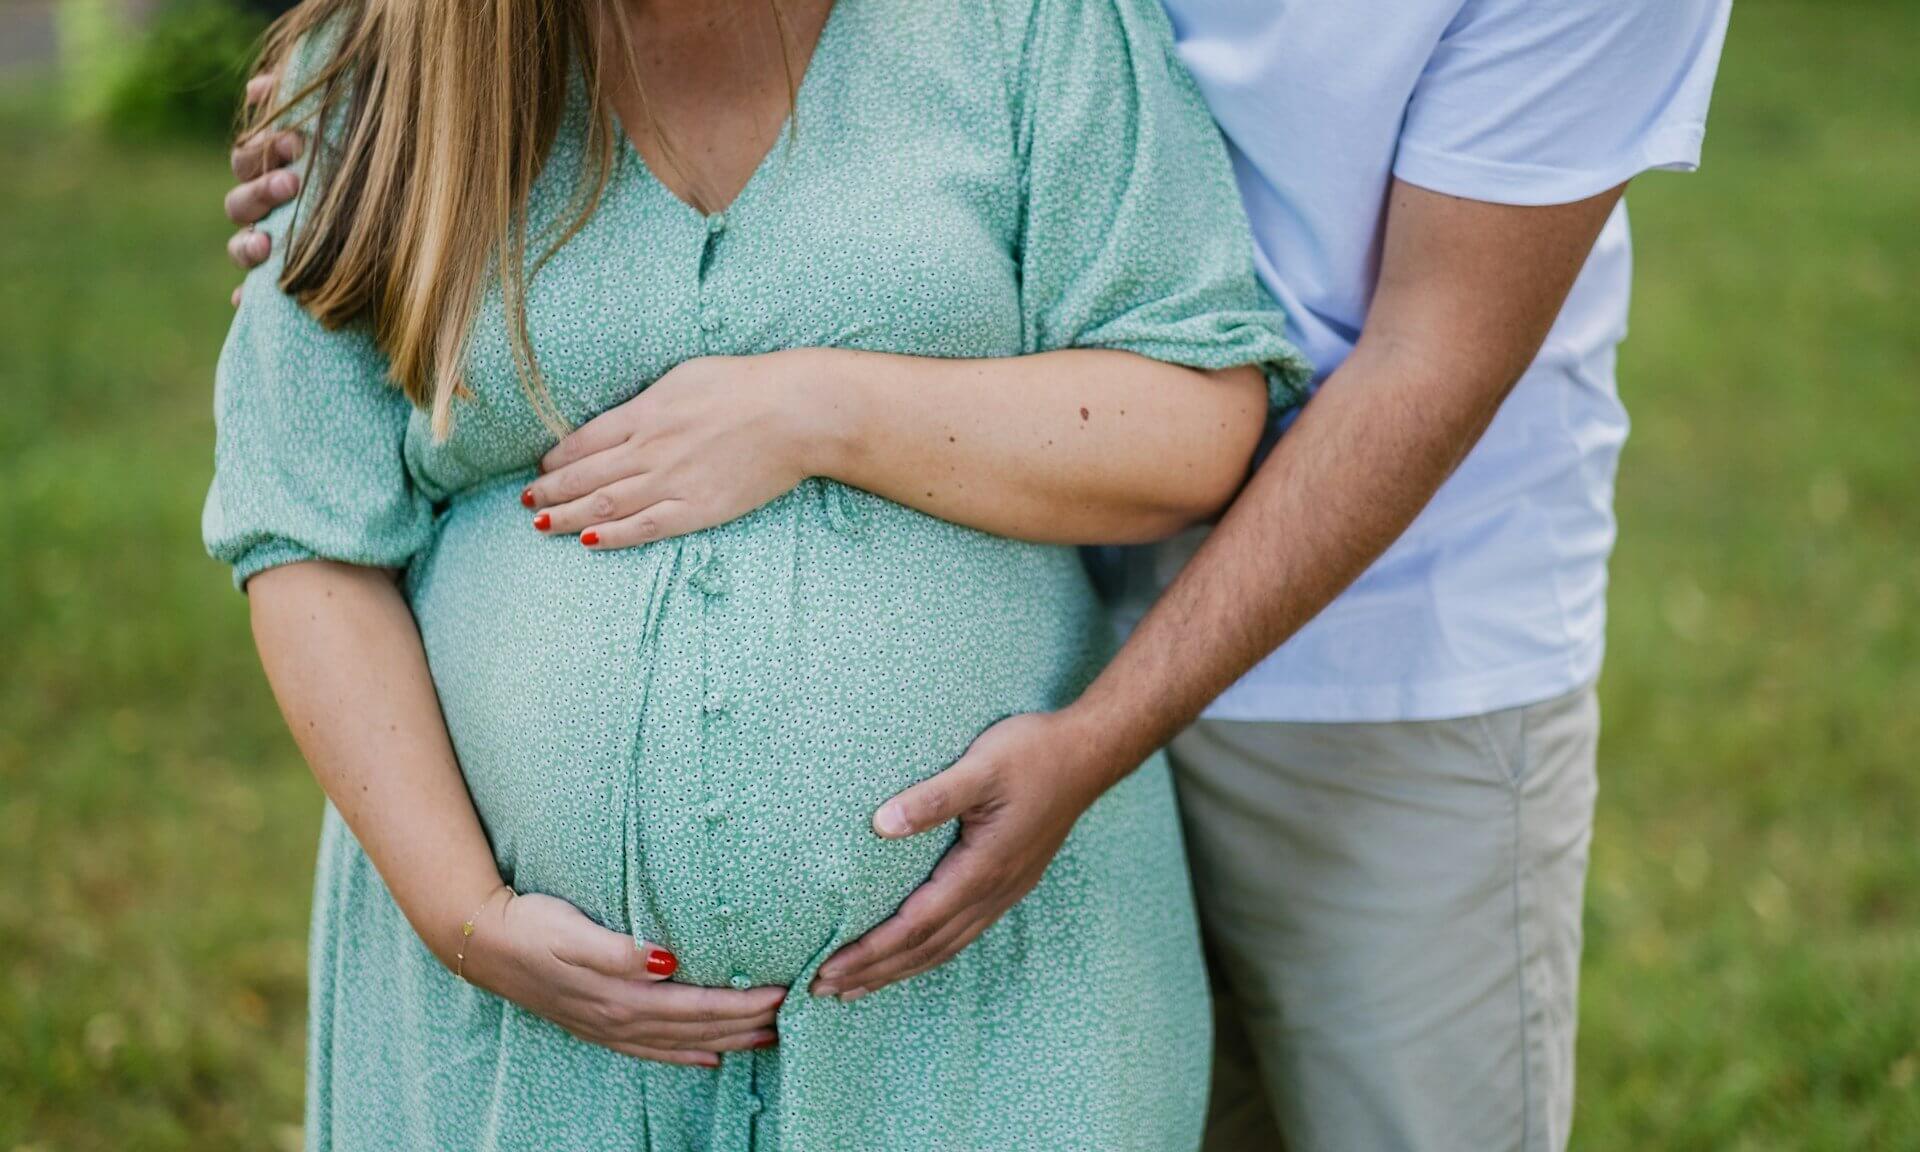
pixel 1675 149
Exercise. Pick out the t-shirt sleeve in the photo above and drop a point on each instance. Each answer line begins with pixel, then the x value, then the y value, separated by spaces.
pixel 1535 102
pixel 309 444
pixel 1132 234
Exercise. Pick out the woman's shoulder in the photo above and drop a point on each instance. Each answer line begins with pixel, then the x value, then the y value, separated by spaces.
pixel 1087 40
pixel 1087 25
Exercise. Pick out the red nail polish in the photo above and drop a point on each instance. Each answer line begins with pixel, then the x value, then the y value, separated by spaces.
pixel 589 537
pixel 526 497
pixel 543 522
pixel 661 962
pixel 768 1042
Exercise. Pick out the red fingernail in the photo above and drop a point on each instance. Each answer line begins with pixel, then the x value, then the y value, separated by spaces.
pixel 543 522
pixel 589 537
pixel 768 1042
pixel 526 497
pixel 661 962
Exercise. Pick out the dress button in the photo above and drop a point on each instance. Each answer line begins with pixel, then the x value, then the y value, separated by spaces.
pixel 711 579
pixel 755 1105
pixel 725 911
pixel 716 703
pixel 711 320
pixel 716 223
pixel 715 811
pixel 739 981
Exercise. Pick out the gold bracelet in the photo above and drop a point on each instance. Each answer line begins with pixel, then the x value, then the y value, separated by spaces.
pixel 466 934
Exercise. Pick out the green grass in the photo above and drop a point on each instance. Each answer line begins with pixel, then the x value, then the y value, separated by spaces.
pixel 1753 976
pixel 1753 964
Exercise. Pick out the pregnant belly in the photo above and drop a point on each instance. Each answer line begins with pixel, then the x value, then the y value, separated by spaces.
pixel 688 740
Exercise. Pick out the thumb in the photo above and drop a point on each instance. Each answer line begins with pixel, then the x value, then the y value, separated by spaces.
pixel 656 963
pixel 935 800
pixel 631 958
pixel 614 953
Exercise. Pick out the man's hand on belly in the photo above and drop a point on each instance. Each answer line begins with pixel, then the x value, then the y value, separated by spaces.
pixel 1017 794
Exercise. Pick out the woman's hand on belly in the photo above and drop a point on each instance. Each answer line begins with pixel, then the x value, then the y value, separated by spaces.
pixel 1078 446
pixel 708 442
pixel 608 989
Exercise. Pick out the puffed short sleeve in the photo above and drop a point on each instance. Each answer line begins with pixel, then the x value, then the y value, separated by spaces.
pixel 309 451
pixel 1133 236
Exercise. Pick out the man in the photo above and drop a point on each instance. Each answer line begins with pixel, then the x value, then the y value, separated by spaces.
pixel 1388 816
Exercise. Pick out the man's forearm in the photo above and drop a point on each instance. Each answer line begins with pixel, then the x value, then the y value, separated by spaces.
pixel 1468 292
pixel 1356 468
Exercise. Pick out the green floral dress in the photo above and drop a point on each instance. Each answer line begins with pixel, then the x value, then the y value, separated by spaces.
pixel 687 740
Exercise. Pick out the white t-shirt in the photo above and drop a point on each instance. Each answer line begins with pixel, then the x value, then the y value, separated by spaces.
pixel 1496 596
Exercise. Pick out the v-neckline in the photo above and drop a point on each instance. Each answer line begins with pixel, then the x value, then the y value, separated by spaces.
pixel 631 151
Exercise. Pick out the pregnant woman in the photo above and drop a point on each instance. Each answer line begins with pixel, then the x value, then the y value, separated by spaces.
pixel 920 294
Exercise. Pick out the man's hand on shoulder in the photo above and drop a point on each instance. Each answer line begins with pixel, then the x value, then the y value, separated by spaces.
pixel 264 180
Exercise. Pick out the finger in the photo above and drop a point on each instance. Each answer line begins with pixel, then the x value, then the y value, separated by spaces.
pixel 908 956
pixel 583 477
pixel 619 497
pixel 260 88
pixel 250 202
pixel 689 1003
pixel 957 882
pixel 596 435
pixel 671 1015
pixel 617 955
pixel 745 1041
pixel 728 1037
pixel 942 947
pixel 260 152
pixel 939 798
pixel 659 1055
pixel 662 520
pixel 644 1027
pixel 248 249
pixel 235 298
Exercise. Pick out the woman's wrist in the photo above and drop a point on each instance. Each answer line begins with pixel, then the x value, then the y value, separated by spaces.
pixel 480 930
pixel 824 400
pixel 459 915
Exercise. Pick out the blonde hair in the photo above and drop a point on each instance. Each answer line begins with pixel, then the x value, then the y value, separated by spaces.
pixel 430 121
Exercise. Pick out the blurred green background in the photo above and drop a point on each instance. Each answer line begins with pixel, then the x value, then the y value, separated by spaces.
pixel 1753 962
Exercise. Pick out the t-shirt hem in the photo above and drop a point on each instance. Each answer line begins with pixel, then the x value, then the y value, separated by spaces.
pixel 1675 149
pixel 1281 701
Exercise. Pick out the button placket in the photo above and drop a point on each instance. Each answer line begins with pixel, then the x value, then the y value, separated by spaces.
pixel 706 575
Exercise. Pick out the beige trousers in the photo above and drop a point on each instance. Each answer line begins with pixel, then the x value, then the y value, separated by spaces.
pixel 1392 913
